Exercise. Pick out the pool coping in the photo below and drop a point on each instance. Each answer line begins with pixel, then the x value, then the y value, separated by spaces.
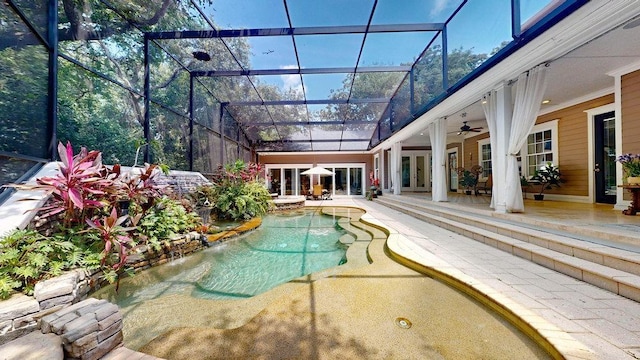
pixel 401 250
pixel 404 252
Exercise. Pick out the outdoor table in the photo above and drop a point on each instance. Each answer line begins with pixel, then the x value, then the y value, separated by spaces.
pixel 635 200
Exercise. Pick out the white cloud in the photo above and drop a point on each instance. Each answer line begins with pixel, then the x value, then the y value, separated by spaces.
pixel 291 81
pixel 438 7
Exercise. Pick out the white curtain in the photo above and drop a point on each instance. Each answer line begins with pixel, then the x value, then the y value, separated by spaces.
pixel 529 92
pixel 490 107
pixel 438 136
pixel 396 153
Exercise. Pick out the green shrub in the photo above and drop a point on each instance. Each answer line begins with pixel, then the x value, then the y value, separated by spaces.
pixel 28 257
pixel 239 193
pixel 164 220
pixel 241 201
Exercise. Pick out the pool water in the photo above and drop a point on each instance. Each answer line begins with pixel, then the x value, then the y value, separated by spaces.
pixel 287 245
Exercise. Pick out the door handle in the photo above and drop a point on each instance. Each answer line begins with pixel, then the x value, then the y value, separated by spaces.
pixel 597 168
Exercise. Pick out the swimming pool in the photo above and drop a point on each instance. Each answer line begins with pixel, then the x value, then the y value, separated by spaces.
pixel 286 246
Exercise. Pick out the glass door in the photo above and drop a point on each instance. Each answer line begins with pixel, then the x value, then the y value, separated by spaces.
pixel 355 181
pixel 605 157
pixel 341 181
pixel 421 175
pixel 406 173
pixel 416 172
pixel 289 179
pixel 274 181
pixel 452 160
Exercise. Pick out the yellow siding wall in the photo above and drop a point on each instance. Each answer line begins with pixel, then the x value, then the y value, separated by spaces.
pixel 630 102
pixel 573 145
pixel 471 156
pixel 319 159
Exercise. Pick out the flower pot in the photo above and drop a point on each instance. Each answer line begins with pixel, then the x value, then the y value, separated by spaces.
pixel 468 192
pixel 538 196
pixel 633 180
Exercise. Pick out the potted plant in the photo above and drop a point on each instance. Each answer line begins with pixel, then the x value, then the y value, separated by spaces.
pixel 631 166
pixel 547 176
pixel 468 181
pixel 524 184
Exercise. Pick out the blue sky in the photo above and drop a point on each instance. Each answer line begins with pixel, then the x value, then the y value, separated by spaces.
pixel 481 25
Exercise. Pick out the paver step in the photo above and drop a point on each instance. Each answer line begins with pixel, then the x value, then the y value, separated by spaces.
pixel 597 265
pixel 572 245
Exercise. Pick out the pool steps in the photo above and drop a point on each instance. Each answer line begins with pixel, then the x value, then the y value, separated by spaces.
pixel 613 269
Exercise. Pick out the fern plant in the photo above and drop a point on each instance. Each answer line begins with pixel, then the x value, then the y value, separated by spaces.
pixel 238 192
pixel 166 219
pixel 28 257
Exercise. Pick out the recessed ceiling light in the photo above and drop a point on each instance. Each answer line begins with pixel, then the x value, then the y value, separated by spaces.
pixel 546 101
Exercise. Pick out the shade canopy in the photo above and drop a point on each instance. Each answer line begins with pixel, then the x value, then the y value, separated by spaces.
pixel 317 170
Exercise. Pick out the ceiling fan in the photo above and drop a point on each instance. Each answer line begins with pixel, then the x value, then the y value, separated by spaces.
pixel 464 129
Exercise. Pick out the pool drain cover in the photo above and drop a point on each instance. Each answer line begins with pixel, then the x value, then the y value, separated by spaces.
pixel 403 323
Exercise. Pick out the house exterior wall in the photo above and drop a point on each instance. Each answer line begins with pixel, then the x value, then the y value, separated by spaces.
pixel 630 103
pixel 315 159
pixel 573 145
pixel 471 156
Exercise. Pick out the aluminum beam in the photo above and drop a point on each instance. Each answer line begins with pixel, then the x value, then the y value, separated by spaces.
pixel 308 102
pixel 310 141
pixel 318 122
pixel 312 30
pixel 303 71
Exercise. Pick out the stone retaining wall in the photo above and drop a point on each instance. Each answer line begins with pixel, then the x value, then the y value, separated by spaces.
pixel 144 256
pixel 89 329
pixel 20 314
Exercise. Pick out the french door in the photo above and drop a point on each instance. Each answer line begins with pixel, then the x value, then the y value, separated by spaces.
pixel 416 171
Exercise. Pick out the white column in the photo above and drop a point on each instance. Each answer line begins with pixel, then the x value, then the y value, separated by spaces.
pixel 501 141
pixel 396 160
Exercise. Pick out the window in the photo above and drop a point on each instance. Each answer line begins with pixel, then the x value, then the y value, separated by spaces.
pixel 542 146
pixel 484 151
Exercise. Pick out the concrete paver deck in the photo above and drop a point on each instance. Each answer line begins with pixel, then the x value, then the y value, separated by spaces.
pixel 580 320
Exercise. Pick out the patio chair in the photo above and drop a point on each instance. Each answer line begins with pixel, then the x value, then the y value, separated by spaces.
pixel 485 184
pixel 317 192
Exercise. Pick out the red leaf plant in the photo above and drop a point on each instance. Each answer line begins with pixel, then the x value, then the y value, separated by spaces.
pixel 115 237
pixel 140 188
pixel 78 187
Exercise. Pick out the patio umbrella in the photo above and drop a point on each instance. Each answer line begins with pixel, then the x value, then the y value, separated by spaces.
pixel 317 170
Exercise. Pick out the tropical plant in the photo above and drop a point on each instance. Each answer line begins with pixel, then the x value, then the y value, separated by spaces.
pixel 78 187
pixel 630 164
pixel 166 219
pixel 115 238
pixel 547 176
pixel 140 187
pixel 203 196
pixel 28 257
pixel 239 193
pixel 87 196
